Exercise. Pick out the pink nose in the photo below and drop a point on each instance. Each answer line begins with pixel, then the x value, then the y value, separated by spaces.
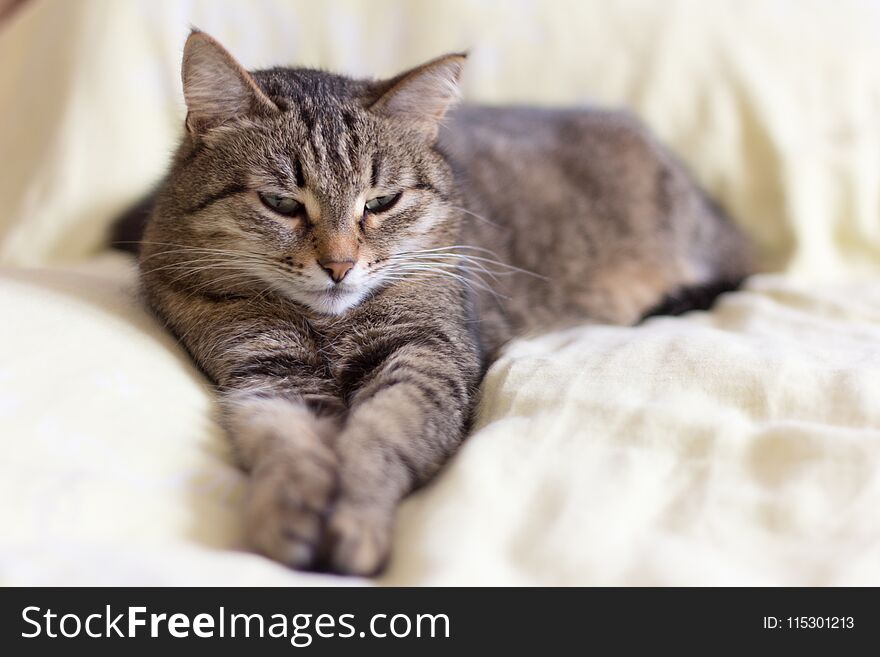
pixel 336 269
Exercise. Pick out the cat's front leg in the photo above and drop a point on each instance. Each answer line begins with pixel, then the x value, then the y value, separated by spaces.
pixel 405 421
pixel 287 450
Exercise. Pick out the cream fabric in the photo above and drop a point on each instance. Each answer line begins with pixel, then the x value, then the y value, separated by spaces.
pixel 737 446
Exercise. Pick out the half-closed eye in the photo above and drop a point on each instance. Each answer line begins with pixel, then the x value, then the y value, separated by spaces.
pixel 284 205
pixel 382 203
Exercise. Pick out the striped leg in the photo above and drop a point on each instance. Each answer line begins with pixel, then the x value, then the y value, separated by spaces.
pixel 404 423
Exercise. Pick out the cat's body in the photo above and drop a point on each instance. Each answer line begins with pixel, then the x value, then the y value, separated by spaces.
pixel 348 343
pixel 608 220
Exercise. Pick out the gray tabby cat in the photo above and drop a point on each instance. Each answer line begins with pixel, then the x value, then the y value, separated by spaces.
pixel 344 263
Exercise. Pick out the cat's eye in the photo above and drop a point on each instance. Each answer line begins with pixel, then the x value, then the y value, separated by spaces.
pixel 285 205
pixel 381 203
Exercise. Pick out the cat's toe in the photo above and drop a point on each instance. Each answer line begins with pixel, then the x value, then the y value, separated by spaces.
pixel 288 502
pixel 357 540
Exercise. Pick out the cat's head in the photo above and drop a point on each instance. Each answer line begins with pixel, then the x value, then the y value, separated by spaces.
pixel 310 184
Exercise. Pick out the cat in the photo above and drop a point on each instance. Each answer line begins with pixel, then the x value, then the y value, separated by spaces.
pixel 344 258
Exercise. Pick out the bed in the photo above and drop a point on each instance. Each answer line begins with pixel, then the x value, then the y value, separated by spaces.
pixel 739 446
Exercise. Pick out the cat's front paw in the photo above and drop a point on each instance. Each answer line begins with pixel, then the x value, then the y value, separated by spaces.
pixel 289 499
pixel 357 539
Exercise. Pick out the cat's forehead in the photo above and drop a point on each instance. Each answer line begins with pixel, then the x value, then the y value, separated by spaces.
pixel 325 137
pixel 296 84
pixel 328 143
pixel 327 140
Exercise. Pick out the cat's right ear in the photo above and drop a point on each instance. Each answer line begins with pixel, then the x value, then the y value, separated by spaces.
pixel 216 87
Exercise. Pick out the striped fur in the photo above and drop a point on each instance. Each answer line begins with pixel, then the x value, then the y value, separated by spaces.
pixel 341 398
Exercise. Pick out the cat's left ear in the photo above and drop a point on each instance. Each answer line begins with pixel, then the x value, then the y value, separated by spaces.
pixel 422 96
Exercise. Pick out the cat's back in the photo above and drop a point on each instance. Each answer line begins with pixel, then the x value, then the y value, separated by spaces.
pixel 531 123
pixel 524 137
pixel 590 201
pixel 572 167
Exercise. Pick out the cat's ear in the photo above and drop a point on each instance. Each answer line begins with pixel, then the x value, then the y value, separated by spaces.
pixel 216 87
pixel 422 95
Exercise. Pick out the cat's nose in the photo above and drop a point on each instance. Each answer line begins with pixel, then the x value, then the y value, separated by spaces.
pixel 336 269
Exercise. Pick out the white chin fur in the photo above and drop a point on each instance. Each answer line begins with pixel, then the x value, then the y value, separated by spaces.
pixel 321 296
pixel 331 302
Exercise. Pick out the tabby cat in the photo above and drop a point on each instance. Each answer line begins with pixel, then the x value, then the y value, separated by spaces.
pixel 343 259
